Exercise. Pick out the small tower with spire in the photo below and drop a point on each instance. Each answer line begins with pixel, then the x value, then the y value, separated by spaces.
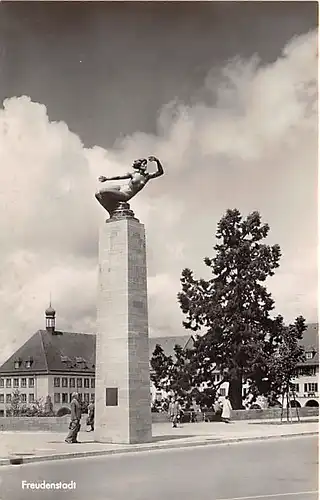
pixel 50 318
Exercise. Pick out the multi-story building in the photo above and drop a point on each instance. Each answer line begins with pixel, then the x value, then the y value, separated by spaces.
pixel 306 382
pixel 57 363
pixel 53 363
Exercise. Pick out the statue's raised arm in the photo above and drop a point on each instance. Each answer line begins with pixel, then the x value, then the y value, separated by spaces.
pixel 115 198
pixel 160 168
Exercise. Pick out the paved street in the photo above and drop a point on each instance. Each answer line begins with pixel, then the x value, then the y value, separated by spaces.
pixel 284 468
pixel 34 445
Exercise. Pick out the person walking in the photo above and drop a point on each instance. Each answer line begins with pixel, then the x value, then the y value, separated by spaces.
pixel 217 409
pixel 75 418
pixel 174 411
pixel 226 410
pixel 90 419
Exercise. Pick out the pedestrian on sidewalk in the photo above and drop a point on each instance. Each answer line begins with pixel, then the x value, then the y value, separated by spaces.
pixel 90 419
pixel 174 411
pixel 75 418
pixel 217 407
pixel 226 410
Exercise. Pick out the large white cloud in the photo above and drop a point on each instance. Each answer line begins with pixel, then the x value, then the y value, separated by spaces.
pixel 249 141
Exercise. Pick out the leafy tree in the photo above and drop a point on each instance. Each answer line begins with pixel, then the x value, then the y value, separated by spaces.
pixel 171 373
pixel 48 406
pixel 282 364
pixel 161 366
pixel 16 407
pixel 232 309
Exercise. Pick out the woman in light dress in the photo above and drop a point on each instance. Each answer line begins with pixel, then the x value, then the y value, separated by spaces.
pixel 226 410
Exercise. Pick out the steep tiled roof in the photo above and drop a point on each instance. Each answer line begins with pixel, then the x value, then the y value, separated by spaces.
pixel 168 343
pixel 69 351
pixel 311 336
pixel 66 351
pixel 49 353
pixel 31 349
pixel 310 342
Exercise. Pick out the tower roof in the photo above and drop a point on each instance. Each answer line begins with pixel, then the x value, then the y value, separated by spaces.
pixel 50 311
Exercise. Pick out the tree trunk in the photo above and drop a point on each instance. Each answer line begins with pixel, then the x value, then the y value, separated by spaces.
pixel 235 393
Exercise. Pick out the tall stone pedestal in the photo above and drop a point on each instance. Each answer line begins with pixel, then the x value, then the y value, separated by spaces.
pixel 122 405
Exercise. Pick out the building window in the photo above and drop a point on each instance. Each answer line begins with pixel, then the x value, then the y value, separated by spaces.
pixel 72 382
pixel 17 364
pixel 80 396
pixel 1 398
pixel 70 397
pixel 64 382
pixel 56 382
pixel 309 355
pixel 222 392
pixel 8 382
pixel 92 383
pixel 311 387
pixel 1 382
pixel 23 382
pixel 31 383
pixel 64 397
pixel 86 397
pixel 56 397
pixel 92 396
pixel 86 383
pixel 31 398
pixel 8 398
pixel 23 398
pixel 79 382
pixel 15 382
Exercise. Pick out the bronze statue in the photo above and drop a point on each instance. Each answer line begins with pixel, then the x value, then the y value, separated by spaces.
pixel 115 198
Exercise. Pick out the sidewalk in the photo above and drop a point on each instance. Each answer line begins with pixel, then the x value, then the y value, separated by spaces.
pixel 41 446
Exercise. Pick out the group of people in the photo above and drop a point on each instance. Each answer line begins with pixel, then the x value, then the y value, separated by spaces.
pixel 75 419
pixel 175 410
pixel 174 413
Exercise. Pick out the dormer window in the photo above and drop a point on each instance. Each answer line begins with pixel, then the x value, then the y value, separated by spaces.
pixel 29 362
pixel 65 359
pixel 17 364
pixel 82 362
pixel 309 355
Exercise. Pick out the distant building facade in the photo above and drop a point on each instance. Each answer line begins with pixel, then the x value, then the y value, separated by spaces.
pixel 56 364
pixel 306 389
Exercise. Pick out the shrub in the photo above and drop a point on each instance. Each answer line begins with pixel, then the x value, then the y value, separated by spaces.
pixel 64 410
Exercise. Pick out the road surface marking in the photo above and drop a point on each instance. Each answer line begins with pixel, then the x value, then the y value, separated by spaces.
pixel 272 496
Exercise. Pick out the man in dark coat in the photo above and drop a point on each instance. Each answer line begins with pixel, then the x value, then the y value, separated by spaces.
pixel 174 411
pixel 75 418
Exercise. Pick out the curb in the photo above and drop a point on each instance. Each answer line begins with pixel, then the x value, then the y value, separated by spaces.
pixel 151 447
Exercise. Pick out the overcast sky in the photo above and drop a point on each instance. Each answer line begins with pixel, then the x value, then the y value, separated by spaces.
pixel 223 93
